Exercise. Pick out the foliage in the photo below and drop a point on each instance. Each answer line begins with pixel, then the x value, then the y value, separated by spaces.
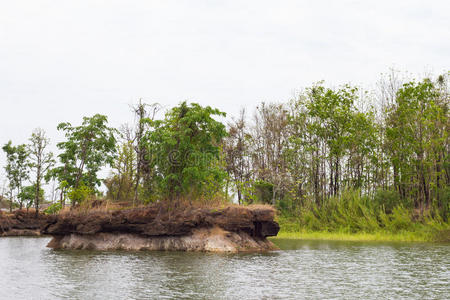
pixel 40 162
pixel 332 159
pixel 28 195
pixel 186 148
pixel 327 141
pixel 263 191
pixel 121 183
pixel 16 168
pixel 352 214
pixel 387 199
pixel 80 193
pixel 87 149
pixel 53 209
pixel 417 141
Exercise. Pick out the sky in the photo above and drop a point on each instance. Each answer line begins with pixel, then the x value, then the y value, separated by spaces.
pixel 61 60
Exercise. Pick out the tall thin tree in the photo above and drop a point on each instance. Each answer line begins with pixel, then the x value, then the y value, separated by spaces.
pixel 41 161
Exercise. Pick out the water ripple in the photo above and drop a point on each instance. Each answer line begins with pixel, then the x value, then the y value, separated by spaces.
pixel 306 269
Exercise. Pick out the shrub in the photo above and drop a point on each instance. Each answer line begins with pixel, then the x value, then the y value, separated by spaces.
pixel 263 191
pixel 53 209
pixel 386 199
pixel 400 219
pixel 78 195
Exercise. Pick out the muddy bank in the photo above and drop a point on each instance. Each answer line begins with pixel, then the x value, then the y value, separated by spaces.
pixel 210 240
pixel 22 223
pixel 232 229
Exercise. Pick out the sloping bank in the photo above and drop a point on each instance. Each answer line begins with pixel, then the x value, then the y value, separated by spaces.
pixel 231 229
pixel 22 223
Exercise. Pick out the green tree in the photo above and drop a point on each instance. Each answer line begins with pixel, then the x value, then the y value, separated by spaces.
pixel 331 112
pixel 417 141
pixel 186 144
pixel 121 182
pixel 87 149
pixel 16 168
pixel 28 195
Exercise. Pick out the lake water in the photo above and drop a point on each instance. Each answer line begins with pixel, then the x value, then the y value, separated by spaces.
pixel 302 270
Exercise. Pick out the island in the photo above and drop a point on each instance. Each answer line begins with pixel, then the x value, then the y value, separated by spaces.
pixel 229 229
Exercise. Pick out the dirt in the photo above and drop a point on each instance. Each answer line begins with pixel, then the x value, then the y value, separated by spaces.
pixel 205 240
pixel 162 221
pixel 22 223
pixel 157 227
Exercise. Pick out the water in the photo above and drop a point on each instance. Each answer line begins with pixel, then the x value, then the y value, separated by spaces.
pixel 305 269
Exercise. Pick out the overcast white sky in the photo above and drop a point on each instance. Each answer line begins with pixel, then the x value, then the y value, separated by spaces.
pixel 61 60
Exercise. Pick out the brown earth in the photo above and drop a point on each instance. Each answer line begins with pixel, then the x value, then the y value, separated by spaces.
pixel 157 227
pixel 203 239
pixel 22 223
pixel 162 221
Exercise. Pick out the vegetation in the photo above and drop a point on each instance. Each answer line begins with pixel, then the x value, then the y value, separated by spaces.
pixel 184 151
pixel 88 148
pixel 16 168
pixel 351 216
pixel 28 195
pixel 332 160
pixel 40 162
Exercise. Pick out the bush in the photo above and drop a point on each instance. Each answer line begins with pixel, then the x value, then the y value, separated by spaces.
pixel 263 191
pixel 53 209
pixel 443 204
pixel 400 219
pixel 386 199
pixel 310 221
pixel 350 213
pixel 78 195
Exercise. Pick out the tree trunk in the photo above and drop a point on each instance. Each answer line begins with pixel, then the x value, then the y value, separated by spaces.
pixel 37 190
pixel 10 201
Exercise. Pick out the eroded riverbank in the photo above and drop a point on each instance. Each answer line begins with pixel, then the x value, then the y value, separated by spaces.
pixel 156 227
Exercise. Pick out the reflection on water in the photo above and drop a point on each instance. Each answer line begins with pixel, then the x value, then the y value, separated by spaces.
pixel 304 269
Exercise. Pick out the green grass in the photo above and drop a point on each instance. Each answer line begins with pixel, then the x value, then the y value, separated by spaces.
pixel 358 236
pixel 351 217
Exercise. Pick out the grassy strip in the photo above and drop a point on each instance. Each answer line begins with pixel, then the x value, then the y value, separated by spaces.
pixel 363 224
pixel 405 236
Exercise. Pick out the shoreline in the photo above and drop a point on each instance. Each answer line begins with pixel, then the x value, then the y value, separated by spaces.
pixel 380 236
pixel 160 227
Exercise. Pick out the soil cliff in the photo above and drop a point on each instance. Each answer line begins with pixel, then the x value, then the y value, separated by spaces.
pixel 231 229
pixel 22 223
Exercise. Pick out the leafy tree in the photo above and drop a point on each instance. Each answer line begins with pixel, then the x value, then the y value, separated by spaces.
pixel 16 168
pixel 417 141
pixel 187 147
pixel 28 195
pixel 87 149
pixel 331 112
pixel 121 182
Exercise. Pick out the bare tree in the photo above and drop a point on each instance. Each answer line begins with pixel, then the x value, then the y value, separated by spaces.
pixel 41 161
pixel 142 111
pixel 236 147
pixel 270 137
